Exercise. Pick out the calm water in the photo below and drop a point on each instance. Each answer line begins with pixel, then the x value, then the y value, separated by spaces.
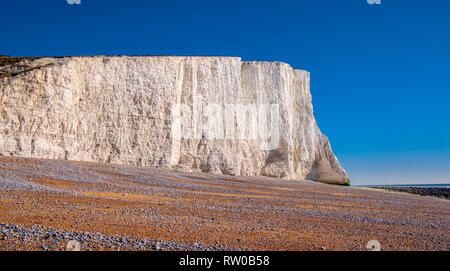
pixel 409 185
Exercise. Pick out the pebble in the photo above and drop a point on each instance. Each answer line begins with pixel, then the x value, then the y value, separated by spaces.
pixel 54 237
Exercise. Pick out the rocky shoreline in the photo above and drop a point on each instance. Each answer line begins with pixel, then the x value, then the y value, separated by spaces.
pixel 440 192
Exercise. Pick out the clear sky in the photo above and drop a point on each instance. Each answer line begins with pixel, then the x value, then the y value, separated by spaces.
pixel 379 73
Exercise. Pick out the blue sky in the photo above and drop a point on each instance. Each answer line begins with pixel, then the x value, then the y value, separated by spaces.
pixel 379 73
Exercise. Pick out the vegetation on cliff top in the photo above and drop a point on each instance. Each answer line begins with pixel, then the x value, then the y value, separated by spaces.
pixel 11 66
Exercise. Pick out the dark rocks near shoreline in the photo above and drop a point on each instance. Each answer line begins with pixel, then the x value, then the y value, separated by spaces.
pixel 440 192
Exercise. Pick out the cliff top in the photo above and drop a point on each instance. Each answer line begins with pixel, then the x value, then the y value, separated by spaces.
pixel 11 66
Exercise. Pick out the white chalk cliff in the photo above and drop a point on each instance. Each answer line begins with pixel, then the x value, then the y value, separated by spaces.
pixel 125 109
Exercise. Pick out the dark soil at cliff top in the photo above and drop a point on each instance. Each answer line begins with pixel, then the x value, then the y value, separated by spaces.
pixel 9 60
pixel 46 203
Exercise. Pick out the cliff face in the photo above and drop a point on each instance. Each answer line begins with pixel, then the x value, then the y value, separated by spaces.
pixel 214 114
